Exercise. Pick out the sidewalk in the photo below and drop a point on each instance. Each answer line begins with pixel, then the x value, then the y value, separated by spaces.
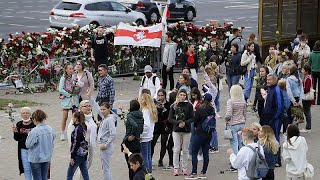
pixel 127 89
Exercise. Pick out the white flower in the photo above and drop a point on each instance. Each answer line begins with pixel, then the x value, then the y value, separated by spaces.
pixel 40 42
pixel 39 50
pixel 200 47
pixel 204 40
pixel 31 45
pixel 231 23
pixel 29 38
pixel 65 28
pixel 228 33
pixel 204 48
pixel 84 28
pixel 17 33
pixel 9 39
pixel 44 36
pixel 58 38
pixel 213 32
pixel 49 29
pixel 77 42
pixel 206 45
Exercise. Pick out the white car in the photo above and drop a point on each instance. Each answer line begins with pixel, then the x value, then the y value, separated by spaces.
pixel 96 12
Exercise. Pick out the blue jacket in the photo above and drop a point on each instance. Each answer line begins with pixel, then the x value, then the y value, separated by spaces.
pixel 40 143
pixel 272 112
pixel 294 88
pixel 286 100
pixel 270 157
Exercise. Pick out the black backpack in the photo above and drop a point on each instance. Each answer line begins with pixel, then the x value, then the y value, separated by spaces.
pixel 153 80
pixel 227 48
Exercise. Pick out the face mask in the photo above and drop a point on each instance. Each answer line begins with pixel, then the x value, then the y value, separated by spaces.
pixel 26 120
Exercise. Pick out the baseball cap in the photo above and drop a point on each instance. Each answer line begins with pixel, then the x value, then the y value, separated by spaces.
pixel 147 68
pixel 207 97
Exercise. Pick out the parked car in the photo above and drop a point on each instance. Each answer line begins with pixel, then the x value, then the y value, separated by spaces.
pixel 96 12
pixel 178 9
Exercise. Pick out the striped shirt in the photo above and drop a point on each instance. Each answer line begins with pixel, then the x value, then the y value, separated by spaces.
pixel 236 112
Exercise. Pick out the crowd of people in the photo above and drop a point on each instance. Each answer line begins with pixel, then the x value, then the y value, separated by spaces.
pixel 185 115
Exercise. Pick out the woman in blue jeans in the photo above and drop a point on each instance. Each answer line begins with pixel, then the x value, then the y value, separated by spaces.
pixel 79 147
pixel 233 66
pixel 40 146
pixel 201 138
pixel 20 134
pixel 248 59
pixel 150 116
pixel 236 116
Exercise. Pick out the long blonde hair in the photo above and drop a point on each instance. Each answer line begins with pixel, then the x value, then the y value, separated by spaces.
pixel 150 106
pixel 269 140
pixel 236 93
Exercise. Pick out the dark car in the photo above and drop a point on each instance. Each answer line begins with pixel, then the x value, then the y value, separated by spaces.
pixel 178 9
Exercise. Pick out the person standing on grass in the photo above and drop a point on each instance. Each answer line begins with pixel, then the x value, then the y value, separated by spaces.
pixel 169 61
pixel 40 145
pixel 20 134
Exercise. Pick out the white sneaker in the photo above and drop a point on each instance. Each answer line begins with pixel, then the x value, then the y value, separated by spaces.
pixel 304 130
pixel 200 157
pixel 62 137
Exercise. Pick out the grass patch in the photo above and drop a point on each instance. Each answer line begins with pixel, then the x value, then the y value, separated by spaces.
pixel 16 103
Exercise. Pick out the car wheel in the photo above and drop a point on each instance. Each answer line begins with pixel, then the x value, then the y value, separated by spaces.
pixel 94 24
pixel 140 22
pixel 189 15
pixel 154 16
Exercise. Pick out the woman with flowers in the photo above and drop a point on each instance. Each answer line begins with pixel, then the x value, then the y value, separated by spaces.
pixel 180 114
pixel 69 95
pixel 85 80
pixel 190 59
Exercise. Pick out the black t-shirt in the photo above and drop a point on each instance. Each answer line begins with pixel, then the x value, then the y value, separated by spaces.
pixel 99 44
pixel 22 134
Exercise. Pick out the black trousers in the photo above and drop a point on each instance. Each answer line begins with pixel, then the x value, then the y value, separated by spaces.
pixel 165 75
pixel 164 139
pixel 270 175
pixel 316 80
pixel 134 147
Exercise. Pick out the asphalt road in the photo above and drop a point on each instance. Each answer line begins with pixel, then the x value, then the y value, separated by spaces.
pixel 32 15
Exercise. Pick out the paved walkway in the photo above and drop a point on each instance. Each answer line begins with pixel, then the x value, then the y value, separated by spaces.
pixel 126 89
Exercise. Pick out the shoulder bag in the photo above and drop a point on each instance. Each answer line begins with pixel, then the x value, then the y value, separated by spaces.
pixel 309 95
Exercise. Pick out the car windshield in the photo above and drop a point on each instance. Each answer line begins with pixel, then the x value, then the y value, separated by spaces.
pixel 68 6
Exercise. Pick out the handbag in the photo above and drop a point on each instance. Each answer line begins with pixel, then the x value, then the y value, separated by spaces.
pixel 309 95
pixel 309 173
pixel 227 132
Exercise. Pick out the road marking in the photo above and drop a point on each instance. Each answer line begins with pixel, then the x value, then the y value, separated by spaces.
pixel 27 6
pixel 241 17
pixel 12 2
pixel 44 19
pixel 32 26
pixel 252 6
pixel 9 16
pixel 27 2
pixel 21 12
pixel 16 25
pixel 28 17
pixel 9 9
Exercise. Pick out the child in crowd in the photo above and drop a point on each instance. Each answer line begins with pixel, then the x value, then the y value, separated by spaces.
pixel 79 147
pixel 106 135
pixel 241 160
pixel 255 128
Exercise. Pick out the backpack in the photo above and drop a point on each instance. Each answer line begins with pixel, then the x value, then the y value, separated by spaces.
pixel 227 48
pixel 153 80
pixel 209 124
pixel 258 167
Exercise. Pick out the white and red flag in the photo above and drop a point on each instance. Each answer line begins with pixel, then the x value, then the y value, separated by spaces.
pixel 138 36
